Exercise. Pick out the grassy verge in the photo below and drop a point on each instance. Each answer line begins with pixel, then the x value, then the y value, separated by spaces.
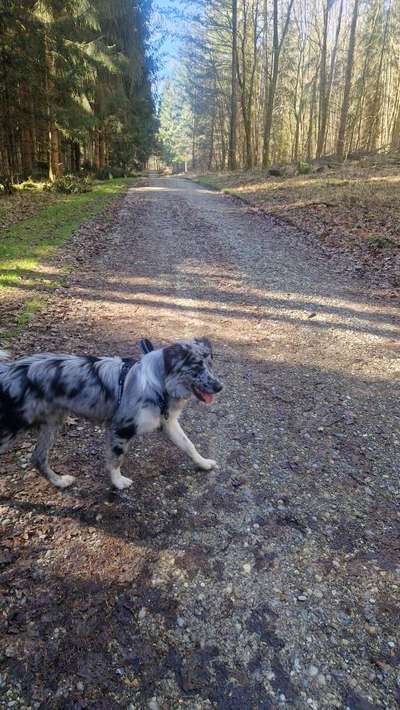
pixel 29 241
pixel 348 206
pixel 24 244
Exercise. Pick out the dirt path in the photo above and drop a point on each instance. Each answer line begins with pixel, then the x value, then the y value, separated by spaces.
pixel 272 582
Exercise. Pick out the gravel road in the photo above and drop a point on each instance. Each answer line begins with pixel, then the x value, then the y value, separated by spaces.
pixel 271 582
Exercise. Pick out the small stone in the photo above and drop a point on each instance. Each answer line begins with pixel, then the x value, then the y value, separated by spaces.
pixel 247 568
pixel 180 621
pixel 313 671
pixel 153 704
pixel 302 598
pixel 372 630
pixel 391 644
pixel 142 613
pixel 80 686
pixel 321 680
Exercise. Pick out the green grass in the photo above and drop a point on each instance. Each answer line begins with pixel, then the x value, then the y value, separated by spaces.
pixel 28 310
pixel 29 241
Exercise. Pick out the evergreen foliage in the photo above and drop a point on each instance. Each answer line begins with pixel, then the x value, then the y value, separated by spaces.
pixel 75 86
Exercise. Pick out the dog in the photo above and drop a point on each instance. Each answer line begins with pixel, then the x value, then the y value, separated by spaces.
pixel 132 397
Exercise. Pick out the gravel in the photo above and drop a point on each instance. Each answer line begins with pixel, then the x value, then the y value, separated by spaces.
pixel 272 581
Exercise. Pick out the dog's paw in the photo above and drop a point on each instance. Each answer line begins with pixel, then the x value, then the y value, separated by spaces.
pixel 122 483
pixel 207 464
pixel 64 481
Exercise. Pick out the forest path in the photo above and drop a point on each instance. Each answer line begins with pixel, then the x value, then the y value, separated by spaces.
pixel 270 582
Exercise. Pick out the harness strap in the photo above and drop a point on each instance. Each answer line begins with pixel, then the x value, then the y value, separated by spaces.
pixel 128 363
pixel 162 402
pixel 146 345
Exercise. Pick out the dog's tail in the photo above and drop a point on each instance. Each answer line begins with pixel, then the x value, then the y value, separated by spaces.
pixel 146 346
pixel 4 355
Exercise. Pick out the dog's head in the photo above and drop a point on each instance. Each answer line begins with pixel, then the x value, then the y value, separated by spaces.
pixel 188 369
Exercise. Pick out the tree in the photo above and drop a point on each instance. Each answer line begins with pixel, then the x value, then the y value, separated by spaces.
pixel 340 147
pixel 277 44
pixel 272 82
pixel 75 85
pixel 233 110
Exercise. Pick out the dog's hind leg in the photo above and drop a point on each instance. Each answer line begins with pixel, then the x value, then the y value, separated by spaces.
pixel 176 434
pixel 46 438
pixel 116 447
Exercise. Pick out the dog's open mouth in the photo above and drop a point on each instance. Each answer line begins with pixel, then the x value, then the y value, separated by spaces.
pixel 203 396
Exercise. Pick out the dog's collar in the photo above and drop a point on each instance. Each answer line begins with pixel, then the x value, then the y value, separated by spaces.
pixel 162 402
pixel 128 363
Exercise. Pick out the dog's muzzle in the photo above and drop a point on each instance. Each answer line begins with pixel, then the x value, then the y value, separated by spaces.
pixel 207 395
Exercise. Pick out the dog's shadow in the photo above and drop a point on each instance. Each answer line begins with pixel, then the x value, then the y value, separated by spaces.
pixel 137 515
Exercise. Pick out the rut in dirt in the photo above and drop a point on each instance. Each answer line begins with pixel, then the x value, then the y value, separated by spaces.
pixel 272 581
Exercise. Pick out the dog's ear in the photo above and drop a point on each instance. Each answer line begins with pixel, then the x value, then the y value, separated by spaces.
pixel 205 343
pixel 146 345
pixel 174 357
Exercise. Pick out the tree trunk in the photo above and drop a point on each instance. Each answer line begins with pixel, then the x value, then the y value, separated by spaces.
pixel 222 134
pixel 97 149
pixel 276 50
pixel 340 146
pixel 194 141
pixel 271 89
pixel 102 149
pixel 248 144
pixel 375 111
pixel 54 156
pixel 77 156
pixel 26 151
pixel 211 153
pixel 26 134
pixel 233 112
pixel 53 138
pixel 332 70
pixel 323 108
pixel 309 151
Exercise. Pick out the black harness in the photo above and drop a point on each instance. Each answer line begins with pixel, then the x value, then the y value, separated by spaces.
pixel 128 364
pixel 162 402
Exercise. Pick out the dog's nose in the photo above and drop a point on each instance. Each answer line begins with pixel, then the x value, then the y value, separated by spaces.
pixel 218 386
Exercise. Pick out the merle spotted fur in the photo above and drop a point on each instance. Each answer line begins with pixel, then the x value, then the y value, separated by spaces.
pixel 131 397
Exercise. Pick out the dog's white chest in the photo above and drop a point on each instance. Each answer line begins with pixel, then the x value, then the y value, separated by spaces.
pixel 147 420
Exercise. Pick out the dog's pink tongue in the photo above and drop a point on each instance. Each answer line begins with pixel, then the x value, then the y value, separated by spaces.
pixel 208 397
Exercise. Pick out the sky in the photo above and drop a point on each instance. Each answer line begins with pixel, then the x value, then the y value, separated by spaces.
pixel 168 28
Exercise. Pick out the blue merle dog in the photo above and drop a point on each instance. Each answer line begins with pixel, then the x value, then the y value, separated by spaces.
pixel 131 397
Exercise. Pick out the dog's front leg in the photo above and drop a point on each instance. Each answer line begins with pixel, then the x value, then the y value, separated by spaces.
pixel 176 434
pixel 116 447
